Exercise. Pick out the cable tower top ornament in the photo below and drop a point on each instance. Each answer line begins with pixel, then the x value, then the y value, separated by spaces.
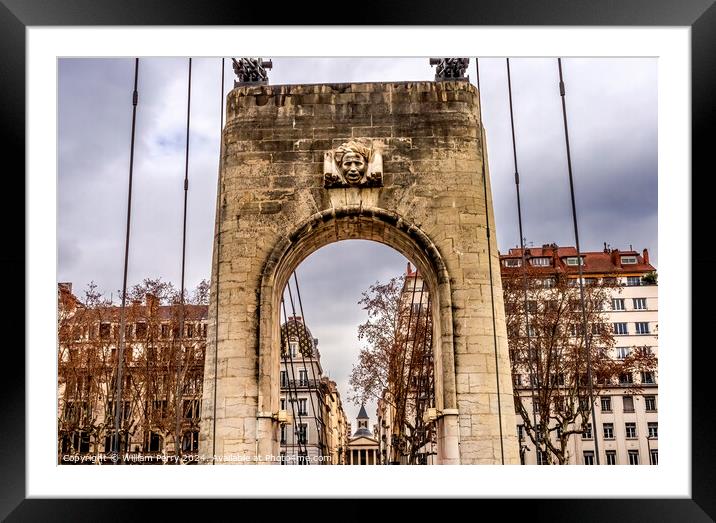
pixel 251 71
pixel 450 68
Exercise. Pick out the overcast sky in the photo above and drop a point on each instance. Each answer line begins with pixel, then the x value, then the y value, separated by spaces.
pixel 612 117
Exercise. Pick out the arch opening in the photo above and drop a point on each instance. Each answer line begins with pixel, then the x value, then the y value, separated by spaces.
pixel 332 226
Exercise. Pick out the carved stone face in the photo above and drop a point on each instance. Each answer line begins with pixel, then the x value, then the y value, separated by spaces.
pixel 353 166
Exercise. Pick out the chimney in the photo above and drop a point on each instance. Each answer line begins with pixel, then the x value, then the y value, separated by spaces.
pixel 408 270
pixel 606 250
pixel 152 301
pixel 645 255
pixel 616 259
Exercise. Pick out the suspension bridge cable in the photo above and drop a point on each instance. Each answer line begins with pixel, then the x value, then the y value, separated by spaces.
pixel 303 361
pixel 120 356
pixel 532 356
pixel 323 436
pixel 182 311
pixel 399 399
pixel 292 383
pixel 219 209
pixel 489 260
pixel 586 342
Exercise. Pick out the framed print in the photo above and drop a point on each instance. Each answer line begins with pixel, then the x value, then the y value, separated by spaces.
pixel 41 40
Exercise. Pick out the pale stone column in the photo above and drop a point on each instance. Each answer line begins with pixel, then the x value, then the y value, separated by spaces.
pixel 449 438
pixel 266 443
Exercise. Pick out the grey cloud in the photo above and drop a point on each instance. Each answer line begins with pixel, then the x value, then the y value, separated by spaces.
pixel 613 132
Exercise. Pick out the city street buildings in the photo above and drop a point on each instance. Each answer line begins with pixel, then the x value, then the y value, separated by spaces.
pixel 626 421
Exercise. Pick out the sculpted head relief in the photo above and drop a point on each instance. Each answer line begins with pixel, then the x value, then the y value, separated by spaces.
pixel 353 164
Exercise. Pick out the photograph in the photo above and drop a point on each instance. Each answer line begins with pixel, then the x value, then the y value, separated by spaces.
pixel 357 261
pixel 318 245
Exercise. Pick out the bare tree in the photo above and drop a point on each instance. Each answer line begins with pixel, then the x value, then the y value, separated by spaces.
pixel 396 364
pixel 162 378
pixel 550 365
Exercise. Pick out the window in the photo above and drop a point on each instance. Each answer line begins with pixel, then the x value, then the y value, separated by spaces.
pixel 642 327
pixel 647 377
pixel 302 407
pixel 517 380
pixel 639 304
pixel 606 403
pixel 284 378
pixel 633 457
pixel 609 281
pixel 154 442
pixel 283 434
pixel 531 331
pixel 165 331
pixel 512 262
pixel 589 457
pixel 283 403
pixel 622 352
pixel 611 457
pixel 531 306
pixel 104 330
pixel 542 458
pixel 540 262
pixel 417 308
pixel 654 456
pixel 630 428
pixel 653 428
pixel 626 378
pixel 608 430
pixel 190 331
pixel 303 378
pixel 628 260
pixel 191 409
pixel 633 281
pixel 140 330
pixel 548 283
pixel 574 260
pixel 521 432
pixel 628 403
pixel 294 348
pixel 617 304
pixel 620 328
pixel 302 433
pixel 587 434
pixel 190 441
pixel 650 403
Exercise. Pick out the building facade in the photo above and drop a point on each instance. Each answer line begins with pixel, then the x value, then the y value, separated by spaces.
pixel 162 377
pixel 363 448
pixel 625 424
pixel 405 432
pixel 315 427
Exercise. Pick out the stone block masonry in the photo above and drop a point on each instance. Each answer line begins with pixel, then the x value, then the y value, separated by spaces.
pixel 274 211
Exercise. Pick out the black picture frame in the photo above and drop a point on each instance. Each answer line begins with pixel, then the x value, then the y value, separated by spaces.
pixel 17 15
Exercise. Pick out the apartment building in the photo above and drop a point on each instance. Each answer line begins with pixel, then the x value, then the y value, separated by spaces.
pixel 625 427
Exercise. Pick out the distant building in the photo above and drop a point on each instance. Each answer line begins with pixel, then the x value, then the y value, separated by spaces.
pixel 162 377
pixel 418 392
pixel 317 432
pixel 626 423
pixel 362 447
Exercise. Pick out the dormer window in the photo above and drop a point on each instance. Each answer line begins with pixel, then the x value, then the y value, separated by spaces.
pixel 574 260
pixel 512 262
pixel 628 260
pixel 540 262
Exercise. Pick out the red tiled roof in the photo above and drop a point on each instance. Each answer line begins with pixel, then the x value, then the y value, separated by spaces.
pixel 607 261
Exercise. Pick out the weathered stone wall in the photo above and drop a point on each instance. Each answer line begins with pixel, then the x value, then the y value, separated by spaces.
pixel 274 211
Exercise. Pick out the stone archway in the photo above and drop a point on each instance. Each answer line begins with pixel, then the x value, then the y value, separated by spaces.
pixel 283 194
